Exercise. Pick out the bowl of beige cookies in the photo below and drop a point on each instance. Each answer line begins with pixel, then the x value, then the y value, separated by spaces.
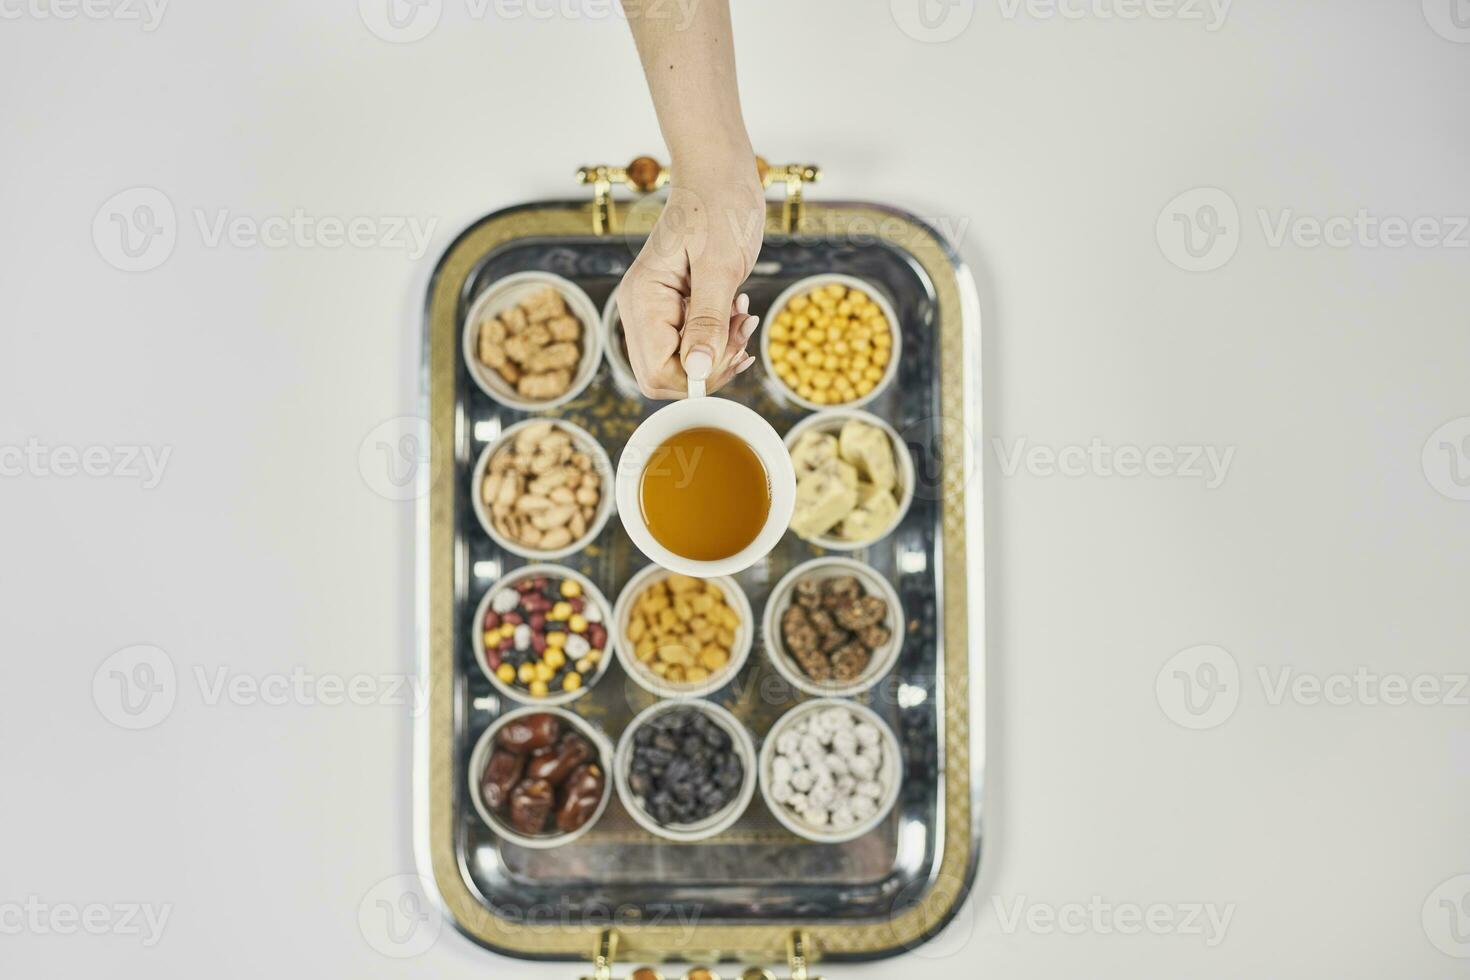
pixel 854 478
pixel 533 341
pixel 543 489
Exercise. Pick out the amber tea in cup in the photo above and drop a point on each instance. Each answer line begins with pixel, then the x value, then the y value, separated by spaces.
pixel 704 494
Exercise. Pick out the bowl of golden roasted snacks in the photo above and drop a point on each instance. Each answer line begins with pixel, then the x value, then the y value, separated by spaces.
pixel 831 340
pixel 681 637
pixel 854 478
pixel 533 341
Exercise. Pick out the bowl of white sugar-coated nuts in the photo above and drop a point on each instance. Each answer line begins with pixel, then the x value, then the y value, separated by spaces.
pixel 830 770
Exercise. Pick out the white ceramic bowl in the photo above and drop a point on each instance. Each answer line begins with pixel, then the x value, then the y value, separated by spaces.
pixel 590 592
pixel 719 413
pixel 892 760
pixel 831 420
pixel 781 597
pixel 507 292
pixel 581 439
pixel 803 286
pixel 622 613
pixel 480 757
pixel 713 824
pixel 613 349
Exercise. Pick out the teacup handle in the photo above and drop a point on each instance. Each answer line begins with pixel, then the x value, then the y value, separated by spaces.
pixel 696 388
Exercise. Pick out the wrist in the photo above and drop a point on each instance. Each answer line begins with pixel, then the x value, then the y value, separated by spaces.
pixel 723 159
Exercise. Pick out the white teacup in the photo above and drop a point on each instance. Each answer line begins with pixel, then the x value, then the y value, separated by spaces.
pixel 715 413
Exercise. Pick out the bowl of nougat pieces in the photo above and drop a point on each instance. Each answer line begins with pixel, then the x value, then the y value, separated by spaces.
pixel 854 479
pixel 531 341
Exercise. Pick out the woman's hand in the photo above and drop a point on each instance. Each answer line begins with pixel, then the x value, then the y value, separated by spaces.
pixel 678 304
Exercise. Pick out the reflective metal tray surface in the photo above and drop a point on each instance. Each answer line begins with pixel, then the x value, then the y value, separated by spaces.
pixel 756 873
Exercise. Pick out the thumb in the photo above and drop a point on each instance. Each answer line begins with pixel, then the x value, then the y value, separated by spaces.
pixel 706 322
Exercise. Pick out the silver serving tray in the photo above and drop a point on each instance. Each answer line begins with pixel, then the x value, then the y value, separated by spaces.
pixel 757 873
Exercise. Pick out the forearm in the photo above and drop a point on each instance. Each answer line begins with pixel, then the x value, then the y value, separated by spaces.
pixel 689 61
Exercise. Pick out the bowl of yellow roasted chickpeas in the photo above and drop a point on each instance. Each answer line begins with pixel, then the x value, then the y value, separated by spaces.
pixel 831 340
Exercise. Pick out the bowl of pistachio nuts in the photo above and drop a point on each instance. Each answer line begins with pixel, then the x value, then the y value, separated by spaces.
pixel 543 489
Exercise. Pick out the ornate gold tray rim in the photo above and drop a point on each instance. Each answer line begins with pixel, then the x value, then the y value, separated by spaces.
pixel 962 694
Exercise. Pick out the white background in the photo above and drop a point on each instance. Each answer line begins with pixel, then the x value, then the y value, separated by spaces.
pixel 1049 146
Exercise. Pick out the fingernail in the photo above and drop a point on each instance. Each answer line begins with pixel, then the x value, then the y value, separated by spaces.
pixel 698 363
pixel 742 303
pixel 748 362
pixel 749 328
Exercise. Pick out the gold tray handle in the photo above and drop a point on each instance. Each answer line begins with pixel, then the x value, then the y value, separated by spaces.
pixel 645 174
pixel 799 951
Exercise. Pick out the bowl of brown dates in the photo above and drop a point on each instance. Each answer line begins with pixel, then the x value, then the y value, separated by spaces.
pixel 538 776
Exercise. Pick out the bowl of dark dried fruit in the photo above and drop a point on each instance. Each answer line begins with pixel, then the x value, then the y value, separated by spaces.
pixel 833 627
pixel 686 770
pixel 538 776
pixel 540 635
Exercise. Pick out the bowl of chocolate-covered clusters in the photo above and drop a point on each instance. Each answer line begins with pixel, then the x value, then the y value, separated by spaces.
pixel 686 770
pixel 833 627
pixel 538 776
